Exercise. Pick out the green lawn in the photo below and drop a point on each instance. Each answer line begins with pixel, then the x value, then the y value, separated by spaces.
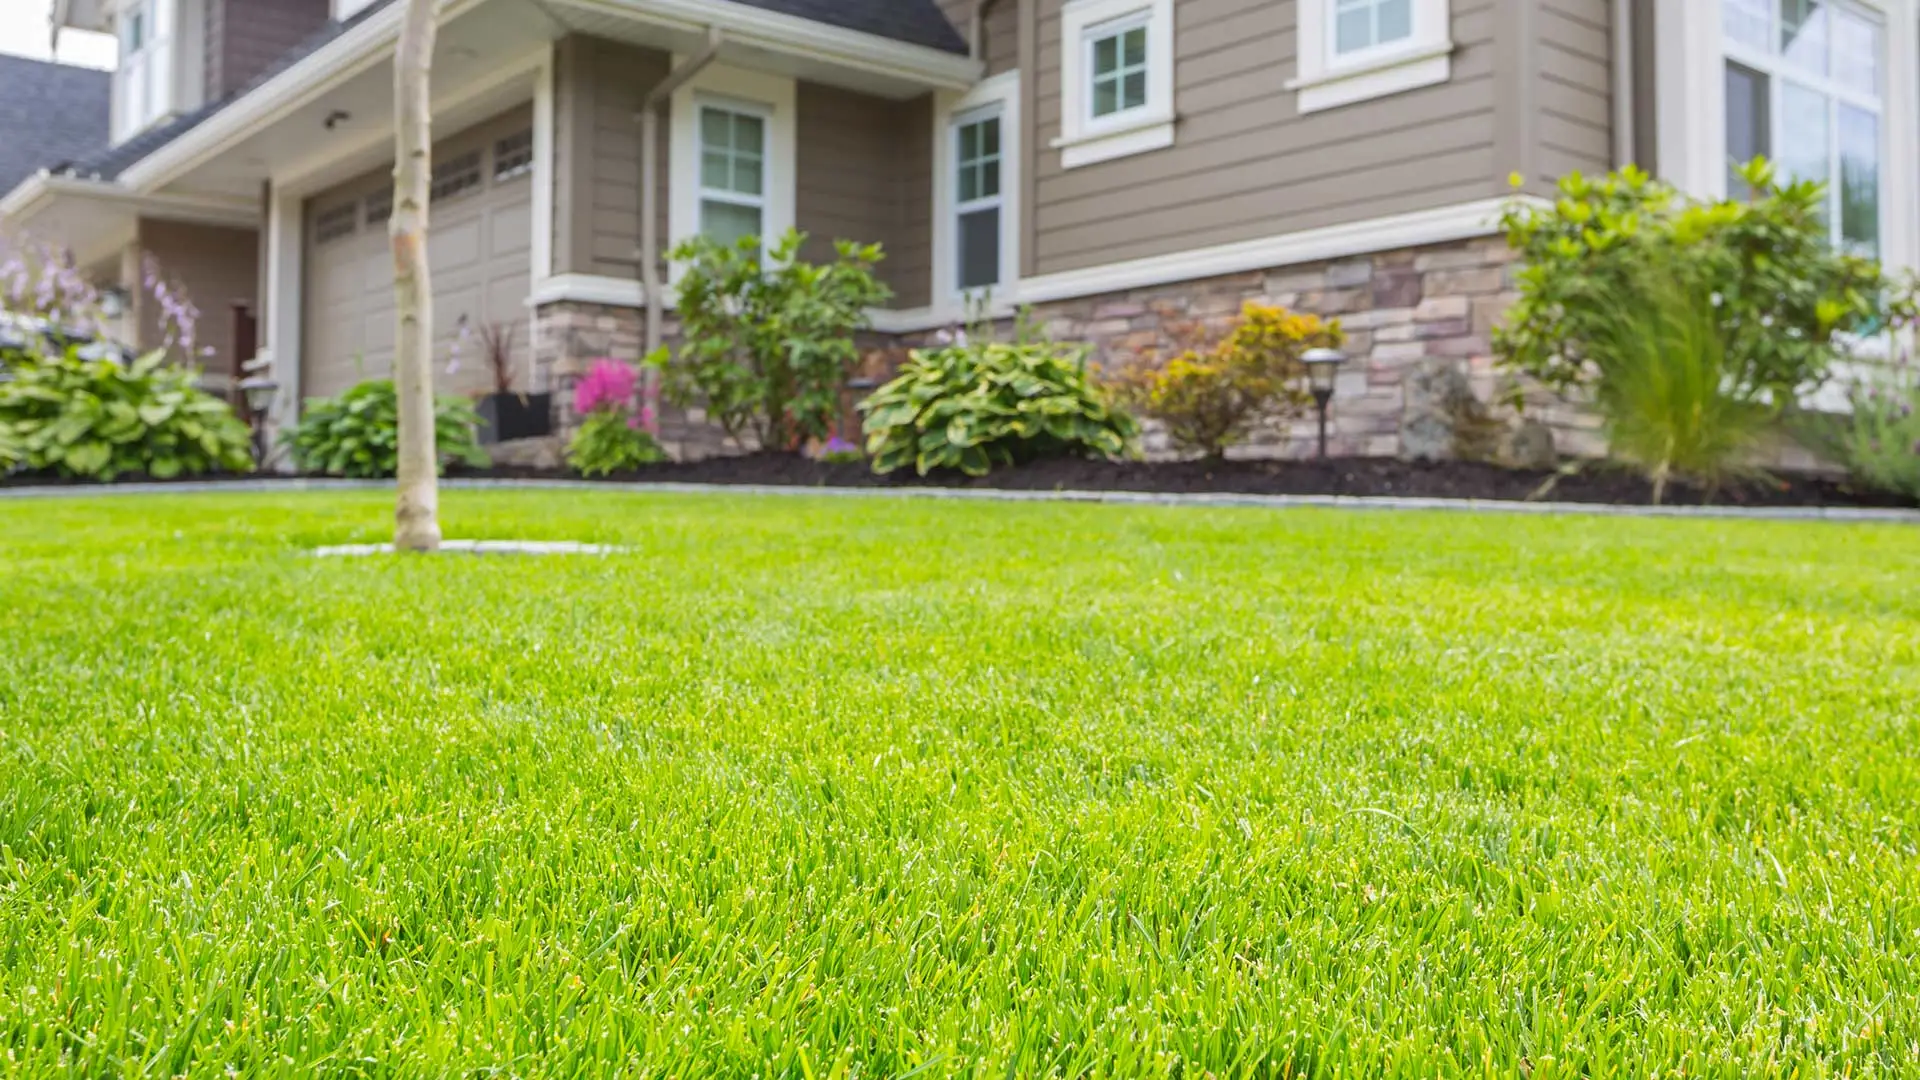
pixel 813 787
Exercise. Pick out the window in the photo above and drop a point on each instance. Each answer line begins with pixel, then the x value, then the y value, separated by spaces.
pixel 143 85
pixel 335 224
pixel 380 207
pixel 976 149
pixel 1119 67
pixel 1803 88
pixel 731 159
pixel 513 156
pixel 455 176
pixel 1116 79
pixel 1357 50
pixel 1360 25
pixel 977 197
pixel 733 155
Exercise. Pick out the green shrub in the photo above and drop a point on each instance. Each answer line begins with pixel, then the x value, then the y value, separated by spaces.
pixel 1208 399
pixel 357 433
pixel 979 405
pixel 610 442
pixel 1782 297
pixel 1879 438
pixel 98 419
pixel 1672 403
pixel 768 341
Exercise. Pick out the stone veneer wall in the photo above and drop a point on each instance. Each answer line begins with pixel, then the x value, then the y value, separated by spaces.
pixel 1419 325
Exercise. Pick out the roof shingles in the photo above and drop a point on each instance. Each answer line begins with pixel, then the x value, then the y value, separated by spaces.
pixel 50 114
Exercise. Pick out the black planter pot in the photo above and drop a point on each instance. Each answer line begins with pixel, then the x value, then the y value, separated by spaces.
pixel 506 417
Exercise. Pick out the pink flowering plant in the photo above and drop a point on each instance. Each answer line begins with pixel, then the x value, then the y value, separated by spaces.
pixel 616 429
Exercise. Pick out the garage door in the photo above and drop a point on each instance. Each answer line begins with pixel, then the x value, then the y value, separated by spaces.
pixel 477 246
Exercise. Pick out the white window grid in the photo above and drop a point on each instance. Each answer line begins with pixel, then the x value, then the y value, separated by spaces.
pixel 1376 46
pixel 513 156
pixel 736 161
pixel 1118 31
pixel 455 176
pixel 336 223
pixel 988 188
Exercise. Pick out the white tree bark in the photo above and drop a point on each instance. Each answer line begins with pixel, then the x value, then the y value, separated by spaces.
pixel 417 516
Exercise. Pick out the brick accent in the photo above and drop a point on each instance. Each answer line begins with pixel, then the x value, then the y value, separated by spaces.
pixel 245 37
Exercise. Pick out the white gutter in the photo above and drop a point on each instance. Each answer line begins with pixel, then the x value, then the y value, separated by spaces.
pixel 372 41
pixel 33 192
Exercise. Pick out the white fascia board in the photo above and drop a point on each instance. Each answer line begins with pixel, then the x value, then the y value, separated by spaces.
pixel 35 192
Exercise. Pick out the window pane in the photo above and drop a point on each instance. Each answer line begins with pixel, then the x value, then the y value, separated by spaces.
pixel 1856 45
pixel 989 178
pixel 1748 124
pixel 713 170
pixel 1134 44
pixel 969 183
pixel 1859 180
pixel 1804 151
pixel 1803 34
pixel 1396 21
pixel 716 130
pixel 1133 91
pixel 990 136
pixel 1749 22
pixel 969 142
pixel 746 175
pixel 980 248
pixel 749 133
pixel 1106 55
pixel 1106 97
pixel 1353 30
pixel 727 223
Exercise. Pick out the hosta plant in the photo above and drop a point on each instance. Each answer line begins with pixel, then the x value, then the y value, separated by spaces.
pixel 99 419
pixel 980 405
pixel 357 433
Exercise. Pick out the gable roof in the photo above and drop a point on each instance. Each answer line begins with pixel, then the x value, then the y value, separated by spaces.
pixel 50 114
pixel 916 22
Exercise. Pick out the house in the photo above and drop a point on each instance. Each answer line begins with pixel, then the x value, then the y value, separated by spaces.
pixel 1126 167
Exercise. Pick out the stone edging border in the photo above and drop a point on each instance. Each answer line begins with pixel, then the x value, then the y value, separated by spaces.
pixel 1130 498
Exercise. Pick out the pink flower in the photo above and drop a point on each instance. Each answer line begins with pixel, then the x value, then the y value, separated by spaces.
pixel 609 384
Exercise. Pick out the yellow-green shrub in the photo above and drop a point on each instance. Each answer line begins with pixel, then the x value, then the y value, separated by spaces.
pixel 1208 399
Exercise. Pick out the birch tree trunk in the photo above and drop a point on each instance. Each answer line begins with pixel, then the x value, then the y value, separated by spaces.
pixel 417 516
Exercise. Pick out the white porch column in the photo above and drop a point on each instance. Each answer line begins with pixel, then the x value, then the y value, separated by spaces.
pixel 1690 99
pixel 286 235
pixel 1900 169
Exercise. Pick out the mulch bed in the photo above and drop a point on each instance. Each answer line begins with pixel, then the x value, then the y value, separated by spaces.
pixel 1597 483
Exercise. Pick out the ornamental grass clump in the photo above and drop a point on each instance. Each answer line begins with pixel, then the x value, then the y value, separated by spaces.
pixel 1209 396
pixel 616 434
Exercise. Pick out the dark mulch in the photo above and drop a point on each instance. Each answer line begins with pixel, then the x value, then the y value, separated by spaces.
pixel 1596 483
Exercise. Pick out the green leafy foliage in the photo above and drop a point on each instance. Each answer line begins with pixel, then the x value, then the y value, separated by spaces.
pixel 1782 297
pixel 608 442
pixel 99 419
pixel 980 405
pixel 357 434
pixel 1879 437
pixel 1672 402
pixel 768 337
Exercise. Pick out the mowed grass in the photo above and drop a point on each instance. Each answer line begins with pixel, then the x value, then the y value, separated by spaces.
pixel 805 787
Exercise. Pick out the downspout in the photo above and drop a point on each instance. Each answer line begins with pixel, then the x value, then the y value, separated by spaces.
pixel 1624 137
pixel 650 284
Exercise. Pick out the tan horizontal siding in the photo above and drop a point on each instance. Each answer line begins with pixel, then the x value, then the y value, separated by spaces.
pixel 864 169
pixel 1572 87
pixel 598 89
pixel 1245 163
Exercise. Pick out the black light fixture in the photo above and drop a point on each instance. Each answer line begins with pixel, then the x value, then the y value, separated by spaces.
pixel 1323 370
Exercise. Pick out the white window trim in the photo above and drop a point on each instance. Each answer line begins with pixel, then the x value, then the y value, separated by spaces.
pixel 771 95
pixel 1003 92
pixel 1327 81
pixel 1084 140
pixel 1690 56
